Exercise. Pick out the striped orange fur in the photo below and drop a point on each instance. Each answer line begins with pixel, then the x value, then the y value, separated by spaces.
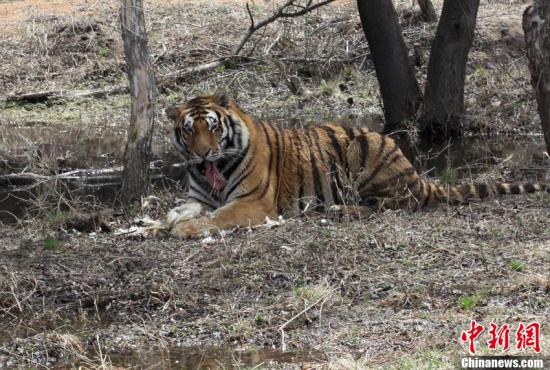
pixel 242 171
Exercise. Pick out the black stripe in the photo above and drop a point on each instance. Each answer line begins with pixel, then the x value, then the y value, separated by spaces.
pixel 201 192
pixel 318 184
pixel 268 140
pixel 244 174
pixel 514 189
pixel 373 188
pixel 179 138
pixel 236 139
pixel 350 133
pixel 364 145
pixel 413 184
pixel 202 201
pixel 427 200
pixel 335 183
pixel 316 181
pixel 300 174
pixel 335 144
pixel 278 159
pixel 382 147
pixel 482 190
pixel 382 164
pixel 228 171
pixel 529 188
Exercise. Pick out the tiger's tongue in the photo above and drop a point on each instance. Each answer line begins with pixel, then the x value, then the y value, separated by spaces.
pixel 214 177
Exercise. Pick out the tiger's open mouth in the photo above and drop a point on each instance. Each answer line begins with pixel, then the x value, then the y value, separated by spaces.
pixel 213 175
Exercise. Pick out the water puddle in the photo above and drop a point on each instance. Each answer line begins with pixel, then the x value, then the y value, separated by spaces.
pixel 77 162
pixel 215 358
pixel 468 156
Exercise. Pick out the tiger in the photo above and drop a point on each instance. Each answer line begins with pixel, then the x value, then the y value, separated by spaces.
pixel 242 171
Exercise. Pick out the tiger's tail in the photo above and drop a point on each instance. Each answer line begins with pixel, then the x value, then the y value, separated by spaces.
pixel 428 193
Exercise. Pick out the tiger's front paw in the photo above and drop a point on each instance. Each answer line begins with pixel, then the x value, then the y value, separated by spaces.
pixel 154 228
pixel 194 228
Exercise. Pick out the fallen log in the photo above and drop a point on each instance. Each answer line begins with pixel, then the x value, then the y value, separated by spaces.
pixel 42 96
pixel 82 178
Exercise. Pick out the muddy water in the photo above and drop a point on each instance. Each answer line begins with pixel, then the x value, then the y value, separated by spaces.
pixel 57 154
pixel 57 150
pixel 215 358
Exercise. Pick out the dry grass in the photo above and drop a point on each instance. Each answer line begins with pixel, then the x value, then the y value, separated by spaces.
pixel 394 290
pixel 396 285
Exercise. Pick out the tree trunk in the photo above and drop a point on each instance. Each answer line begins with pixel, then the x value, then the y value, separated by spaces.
pixel 428 10
pixel 444 98
pixel 536 25
pixel 135 176
pixel 398 86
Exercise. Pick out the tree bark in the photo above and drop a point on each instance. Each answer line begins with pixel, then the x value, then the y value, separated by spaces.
pixel 536 25
pixel 398 86
pixel 428 10
pixel 443 111
pixel 135 176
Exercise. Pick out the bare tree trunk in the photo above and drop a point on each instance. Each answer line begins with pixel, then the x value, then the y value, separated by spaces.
pixel 444 98
pixel 428 10
pixel 135 176
pixel 536 25
pixel 398 86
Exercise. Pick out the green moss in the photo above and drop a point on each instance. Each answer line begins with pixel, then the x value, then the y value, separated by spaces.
pixel 470 301
pixel 517 265
pixel 50 244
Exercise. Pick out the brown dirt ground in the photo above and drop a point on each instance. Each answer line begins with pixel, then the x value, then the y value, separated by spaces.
pixel 394 290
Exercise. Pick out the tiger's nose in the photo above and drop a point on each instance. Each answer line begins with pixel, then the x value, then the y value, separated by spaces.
pixel 204 153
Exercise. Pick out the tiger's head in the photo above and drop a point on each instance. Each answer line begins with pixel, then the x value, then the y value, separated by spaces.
pixel 208 134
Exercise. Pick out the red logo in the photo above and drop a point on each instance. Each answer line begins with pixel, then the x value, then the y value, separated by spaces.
pixel 472 334
pixel 500 338
pixel 527 336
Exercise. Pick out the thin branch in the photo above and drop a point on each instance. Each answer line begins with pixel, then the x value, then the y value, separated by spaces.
pixel 282 327
pixel 250 15
pixel 279 13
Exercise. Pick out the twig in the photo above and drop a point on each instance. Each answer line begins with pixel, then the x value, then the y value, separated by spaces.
pixel 279 13
pixel 196 69
pixel 282 327
pixel 192 255
pixel 161 54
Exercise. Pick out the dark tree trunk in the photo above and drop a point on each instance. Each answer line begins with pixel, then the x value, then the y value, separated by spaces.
pixel 398 86
pixel 536 25
pixel 444 98
pixel 135 176
pixel 428 10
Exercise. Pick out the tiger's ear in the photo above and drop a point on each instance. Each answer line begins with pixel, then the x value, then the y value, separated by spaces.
pixel 173 113
pixel 220 98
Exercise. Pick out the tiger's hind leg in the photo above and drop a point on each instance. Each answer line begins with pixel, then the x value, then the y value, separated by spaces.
pixel 379 170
